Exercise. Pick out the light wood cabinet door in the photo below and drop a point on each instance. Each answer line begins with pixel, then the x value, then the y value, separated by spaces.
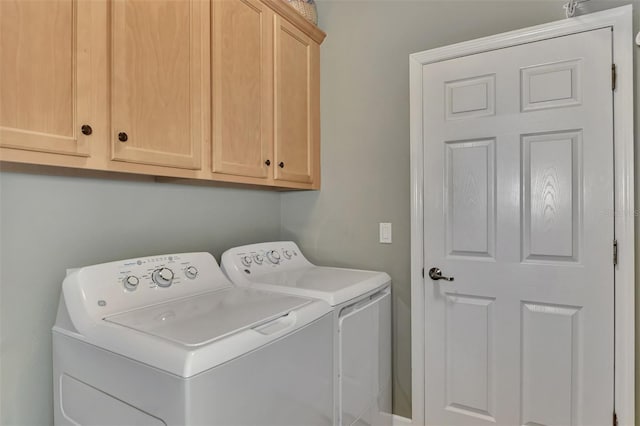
pixel 297 130
pixel 242 87
pixel 157 96
pixel 46 84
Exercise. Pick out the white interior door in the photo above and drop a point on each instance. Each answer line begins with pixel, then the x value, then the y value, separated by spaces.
pixel 518 201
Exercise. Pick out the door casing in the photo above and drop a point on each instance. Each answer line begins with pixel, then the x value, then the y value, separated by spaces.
pixel 620 21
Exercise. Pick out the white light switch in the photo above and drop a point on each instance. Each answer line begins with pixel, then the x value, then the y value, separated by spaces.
pixel 385 233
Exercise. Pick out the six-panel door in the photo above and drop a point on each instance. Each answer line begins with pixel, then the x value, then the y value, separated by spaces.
pixel 518 161
pixel 157 75
pixel 45 75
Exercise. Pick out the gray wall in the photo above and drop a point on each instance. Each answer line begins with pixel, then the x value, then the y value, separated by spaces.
pixel 49 223
pixel 54 222
pixel 365 134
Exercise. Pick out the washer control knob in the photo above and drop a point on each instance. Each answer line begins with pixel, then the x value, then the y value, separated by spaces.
pixel 258 258
pixel 246 260
pixel 287 254
pixel 273 256
pixel 163 277
pixel 131 282
pixel 191 272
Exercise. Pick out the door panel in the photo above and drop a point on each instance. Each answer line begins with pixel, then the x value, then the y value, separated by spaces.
pixel 552 185
pixel 518 161
pixel 551 85
pixel 242 92
pixel 470 172
pixel 157 81
pixel 43 62
pixel 469 375
pixel 550 373
pixel 470 97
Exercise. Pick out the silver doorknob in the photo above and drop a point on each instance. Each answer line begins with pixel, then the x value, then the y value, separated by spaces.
pixel 436 274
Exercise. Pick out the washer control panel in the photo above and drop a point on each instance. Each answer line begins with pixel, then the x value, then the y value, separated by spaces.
pixel 257 259
pixel 115 287
pixel 161 271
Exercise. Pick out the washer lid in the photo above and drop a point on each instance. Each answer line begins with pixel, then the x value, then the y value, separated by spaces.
pixel 334 285
pixel 202 319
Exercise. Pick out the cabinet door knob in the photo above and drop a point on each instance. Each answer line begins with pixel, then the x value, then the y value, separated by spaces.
pixel 122 137
pixel 281 164
pixel 268 162
pixel 86 129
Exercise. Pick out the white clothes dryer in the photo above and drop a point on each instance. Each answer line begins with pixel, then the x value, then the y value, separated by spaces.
pixel 362 321
pixel 168 340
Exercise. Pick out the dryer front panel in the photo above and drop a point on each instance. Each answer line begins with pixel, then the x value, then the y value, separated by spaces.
pixel 364 359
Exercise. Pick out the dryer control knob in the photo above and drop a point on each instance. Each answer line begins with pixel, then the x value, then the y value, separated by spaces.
pixel 273 256
pixel 131 282
pixel 191 272
pixel 246 261
pixel 287 254
pixel 258 258
pixel 163 277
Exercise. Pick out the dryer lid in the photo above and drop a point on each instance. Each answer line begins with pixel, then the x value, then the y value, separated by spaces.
pixel 202 319
pixel 334 285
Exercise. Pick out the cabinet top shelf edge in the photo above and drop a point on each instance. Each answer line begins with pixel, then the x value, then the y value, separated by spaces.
pixel 290 14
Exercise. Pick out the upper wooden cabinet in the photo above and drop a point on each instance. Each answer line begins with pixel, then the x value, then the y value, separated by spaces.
pixel 46 83
pixel 224 90
pixel 297 111
pixel 242 87
pixel 156 81
pixel 265 92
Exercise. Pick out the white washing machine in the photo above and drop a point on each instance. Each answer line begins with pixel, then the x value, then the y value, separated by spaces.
pixel 168 340
pixel 362 321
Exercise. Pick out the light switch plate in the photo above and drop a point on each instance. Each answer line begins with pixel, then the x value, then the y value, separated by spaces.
pixel 385 233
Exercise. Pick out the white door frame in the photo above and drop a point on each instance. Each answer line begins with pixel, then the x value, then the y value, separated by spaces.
pixel 620 20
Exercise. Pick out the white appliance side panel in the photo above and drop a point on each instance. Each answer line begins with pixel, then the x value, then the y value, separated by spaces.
pixel 286 383
pixel 365 362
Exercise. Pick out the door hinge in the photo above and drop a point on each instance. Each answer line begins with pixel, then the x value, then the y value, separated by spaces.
pixel 614 76
pixel 615 419
pixel 615 252
pixel 422 272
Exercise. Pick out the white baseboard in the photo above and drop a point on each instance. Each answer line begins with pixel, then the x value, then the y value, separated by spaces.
pixel 401 421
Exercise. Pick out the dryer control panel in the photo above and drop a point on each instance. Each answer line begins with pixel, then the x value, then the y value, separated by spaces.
pixel 262 258
pixel 95 292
